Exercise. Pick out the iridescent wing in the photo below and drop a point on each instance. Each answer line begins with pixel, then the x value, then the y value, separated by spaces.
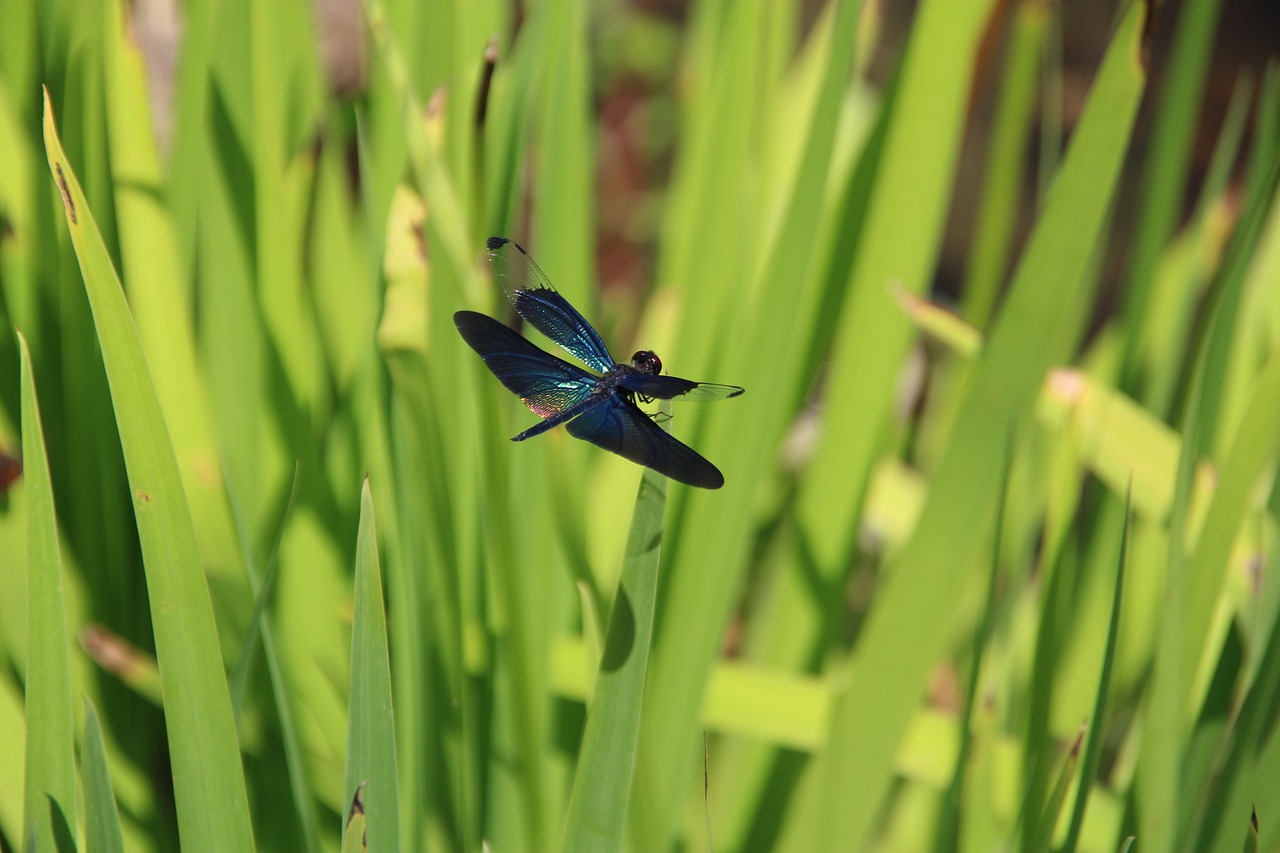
pixel 543 307
pixel 675 388
pixel 544 383
pixel 620 427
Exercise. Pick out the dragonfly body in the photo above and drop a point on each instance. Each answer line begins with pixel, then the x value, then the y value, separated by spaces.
pixel 599 408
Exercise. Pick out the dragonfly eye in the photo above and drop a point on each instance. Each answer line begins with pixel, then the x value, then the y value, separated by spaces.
pixel 647 362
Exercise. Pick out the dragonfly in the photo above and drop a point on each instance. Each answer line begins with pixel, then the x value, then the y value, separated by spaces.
pixel 600 407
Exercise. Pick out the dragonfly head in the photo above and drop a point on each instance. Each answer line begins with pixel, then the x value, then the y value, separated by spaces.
pixel 647 362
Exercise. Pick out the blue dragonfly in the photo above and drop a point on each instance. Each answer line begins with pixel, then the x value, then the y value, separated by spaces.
pixel 597 407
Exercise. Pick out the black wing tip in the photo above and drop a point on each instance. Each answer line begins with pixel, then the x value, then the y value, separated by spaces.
pixel 738 393
pixel 493 244
pixel 705 476
pixel 710 482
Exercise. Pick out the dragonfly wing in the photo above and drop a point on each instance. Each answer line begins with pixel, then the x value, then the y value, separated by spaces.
pixel 544 383
pixel 620 427
pixel 542 306
pixel 675 388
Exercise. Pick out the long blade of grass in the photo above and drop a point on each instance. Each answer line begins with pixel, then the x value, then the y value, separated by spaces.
pixel 563 214
pixel 12 759
pixel 371 747
pixel 606 761
pixel 1251 834
pixel 1093 749
pixel 1239 770
pixel 1166 169
pixel 893 656
pixel 208 780
pixel 49 814
pixel 947 831
pixel 260 625
pixel 1053 807
pixel 1051 632
pixel 1005 163
pixel 1158 784
pixel 101 816
pixel 1174 298
pixel 264 591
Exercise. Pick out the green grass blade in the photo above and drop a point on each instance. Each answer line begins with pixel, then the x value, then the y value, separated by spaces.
pixel 1160 769
pixel 1005 163
pixel 1053 807
pixel 1251 834
pixel 260 626
pixel 893 655
pixel 101 816
pixel 1052 85
pixel 1166 168
pixel 12 760
pixel 371 748
pixel 606 762
pixel 947 832
pixel 50 790
pixel 563 216
pixel 208 780
pixel 1175 296
pixel 1093 749
pixel 266 589
pixel 1240 771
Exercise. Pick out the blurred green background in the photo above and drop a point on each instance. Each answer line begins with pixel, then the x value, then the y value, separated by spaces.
pixel 993 566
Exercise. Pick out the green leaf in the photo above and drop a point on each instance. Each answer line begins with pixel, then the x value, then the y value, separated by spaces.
pixel 371 746
pixel 1251 834
pixel 102 818
pixel 260 626
pixel 1245 761
pixel 1053 808
pixel 1005 163
pixel 208 780
pixel 50 790
pixel 607 759
pixel 946 833
pixel 1166 166
pixel 1093 749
